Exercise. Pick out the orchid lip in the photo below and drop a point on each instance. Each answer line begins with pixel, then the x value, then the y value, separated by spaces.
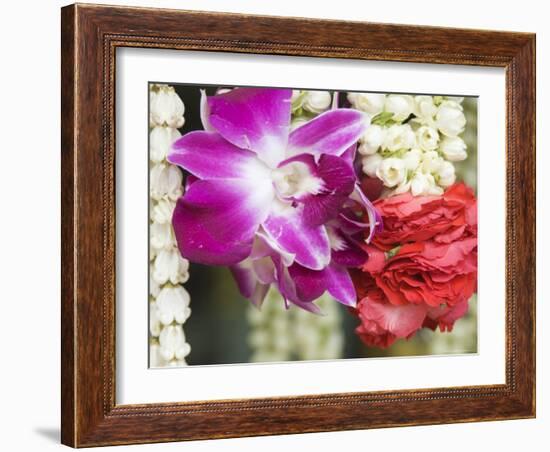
pixel 295 180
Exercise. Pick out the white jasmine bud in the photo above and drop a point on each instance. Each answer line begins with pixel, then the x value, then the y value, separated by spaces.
pixel 446 174
pixel 160 142
pixel 425 109
pixel 165 180
pixel 371 163
pixel 399 136
pixel 400 105
pixel 391 171
pixel 170 266
pixel 172 305
pixel 162 211
pixel 454 149
pixel 172 343
pixel 412 159
pixel 372 139
pixel 423 184
pixel 165 107
pixel 154 322
pixel 450 120
pixel 427 138
pixel 161 236
pixel 431 162
pixel 371 103
pixel 317 101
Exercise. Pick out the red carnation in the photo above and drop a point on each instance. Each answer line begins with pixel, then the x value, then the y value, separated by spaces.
pixel 430 273
pixel 442 219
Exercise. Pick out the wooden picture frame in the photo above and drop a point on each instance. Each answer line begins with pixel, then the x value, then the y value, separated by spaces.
pixel 90 36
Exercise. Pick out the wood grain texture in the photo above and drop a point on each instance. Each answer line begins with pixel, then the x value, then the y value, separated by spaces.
pixel 90 36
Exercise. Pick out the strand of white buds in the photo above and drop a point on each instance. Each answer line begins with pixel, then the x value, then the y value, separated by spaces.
pixel 412 141
pixel 278 334
pixel 319 336
pixel 168 299
pixel 269 330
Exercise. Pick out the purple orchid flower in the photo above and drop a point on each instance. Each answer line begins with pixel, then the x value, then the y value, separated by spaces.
pixel 261 199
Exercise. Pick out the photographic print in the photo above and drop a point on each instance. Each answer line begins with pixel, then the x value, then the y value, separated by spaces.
pixel 295 224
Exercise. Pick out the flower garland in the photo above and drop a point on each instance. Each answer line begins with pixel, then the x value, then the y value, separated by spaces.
pixel 269 330
pixel 422 268
pixel 319 336
pixel 168 299
pixel 412 141
pixel 276 334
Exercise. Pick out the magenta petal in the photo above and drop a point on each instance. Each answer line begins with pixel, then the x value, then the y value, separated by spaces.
pixel 335 279
pixel 310 284
pixel 286 226
pixel 345 250
pixel 349 154
pixel 332 132
pixel 264 246
pixel 244 277
pixel 308 306
pixel 248 284
pixel 207 155
pixel 215 221
pixel 338 182
pixel 256 119
pixel 340 285
pixel 375 219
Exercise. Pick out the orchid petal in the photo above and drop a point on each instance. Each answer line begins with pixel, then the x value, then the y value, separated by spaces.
pixel 216 220
pixel 335 279
pixel 310 284
pixel 375 219
pixel 332 132
pixel 259 294
pixel 345 250
pixel 256 119
pixel 244 277
pixel 286 226
pixel 248 284
pixel 349 154
pixel 340 284
pixel 288 289
pixel 336 180
pixel 207 155
pixel 266 246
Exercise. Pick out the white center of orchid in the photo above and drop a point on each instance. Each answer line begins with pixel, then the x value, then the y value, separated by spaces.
pixel 295 179
pixel 337 243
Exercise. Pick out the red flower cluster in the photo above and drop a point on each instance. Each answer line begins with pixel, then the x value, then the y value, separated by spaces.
pixel 422 268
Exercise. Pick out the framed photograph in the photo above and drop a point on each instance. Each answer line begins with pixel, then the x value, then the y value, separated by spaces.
pixel 266 231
